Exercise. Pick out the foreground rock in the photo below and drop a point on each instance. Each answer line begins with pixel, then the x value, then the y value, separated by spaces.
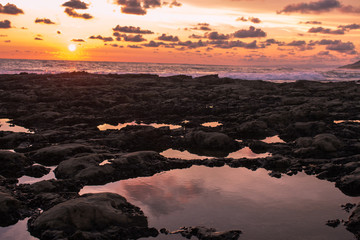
pixel 12 164
pixel 353 225
pixel 9 209
pixel 203 233
pixel 92 216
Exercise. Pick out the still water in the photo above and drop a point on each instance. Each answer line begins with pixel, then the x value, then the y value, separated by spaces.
pixel 225 198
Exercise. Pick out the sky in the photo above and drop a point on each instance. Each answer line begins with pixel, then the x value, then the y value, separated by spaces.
pixel 224 32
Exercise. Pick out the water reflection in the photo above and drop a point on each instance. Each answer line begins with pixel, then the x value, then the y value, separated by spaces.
pixel 5 125
pixel 245 152
pixel 17 231
pixel 346 121
pixel 31 180
pixel 227 198
pixel 273 139
pixel 104 127
pixel 212 124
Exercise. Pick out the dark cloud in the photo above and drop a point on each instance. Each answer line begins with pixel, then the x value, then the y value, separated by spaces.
pixel 5 24
pixel 271 41
pixel 319 7
pixel 254 20
pixel 38 38
pixel 312 7
pixel 76 4
pixel 154 44
pixel 44 20
pixel 196 36
pixel 7 41
pixel 168 38
pixel 349 27
pixel 342 47
pixel 252 32
pixel 296 43
pixel 134 46
pixel 192 45
pixel 1 35
pixel 323 53
pixel 217 36
pixel 78 40
pixel 139 7
pixel 242 19
pixel 105 39
pixel 58 32
pixel 328 42
pixel 10 9
pixel 326 31
pixel 236 44
pixel 72 13
pixel 311 22
pixel 202 27
pixel 133 38
pixel 131 29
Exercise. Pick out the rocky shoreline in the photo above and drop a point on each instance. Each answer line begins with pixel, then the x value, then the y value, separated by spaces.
pixel 319 123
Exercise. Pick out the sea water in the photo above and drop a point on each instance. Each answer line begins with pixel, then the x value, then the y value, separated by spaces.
pixel 267 73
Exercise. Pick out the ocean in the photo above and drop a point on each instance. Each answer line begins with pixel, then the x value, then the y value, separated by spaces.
pixel 275 74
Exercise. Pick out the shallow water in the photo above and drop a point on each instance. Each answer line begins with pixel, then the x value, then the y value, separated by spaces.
pixel 273 139
pixel 5 125
pixel 245 152
pixel 30 180
pixel 346 121
pixel 225 198
pixel 212 124
pixel 105 127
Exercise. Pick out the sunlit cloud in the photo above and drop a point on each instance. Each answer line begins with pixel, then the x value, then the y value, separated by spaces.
pixel 10 9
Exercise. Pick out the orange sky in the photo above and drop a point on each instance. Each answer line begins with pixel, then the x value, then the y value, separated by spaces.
pixel 239 32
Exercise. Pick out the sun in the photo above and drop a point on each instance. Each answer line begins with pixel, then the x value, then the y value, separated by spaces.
pixel 72 47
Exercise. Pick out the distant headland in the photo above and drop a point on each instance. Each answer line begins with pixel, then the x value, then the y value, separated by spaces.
pixel 352 66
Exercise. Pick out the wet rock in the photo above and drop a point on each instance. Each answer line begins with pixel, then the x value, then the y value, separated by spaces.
pixel 348 206
pixel 12 164
pixel 333 223
pixel 259 146
pixel 349 184
pixel 92 216
pixel 53 155
pixel 210 140
pixel 71 167
pixel 36 171
pixel 353 225
pixel 203 233
pixel 253 129
pixel 9 208
pixel 327 142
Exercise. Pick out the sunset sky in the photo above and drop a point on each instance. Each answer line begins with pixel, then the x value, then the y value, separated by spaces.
pixel 238 32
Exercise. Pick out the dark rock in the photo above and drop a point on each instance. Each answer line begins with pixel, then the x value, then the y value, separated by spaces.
pixel 353 225
pixel 9 209
pixel 71 167
pixel 210 140
pixel 53 155
pixel 348 206
pixel 327 142
pixel 349 184
pixel 253 129
pixel 91 216
pixel 203 233
pixel 36 171
pixel 12 164
pixel 333 223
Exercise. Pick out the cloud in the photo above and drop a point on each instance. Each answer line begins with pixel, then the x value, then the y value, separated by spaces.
pixel 217 36
pixel 202 27
pixel 76 4
pixel 235 44
pixel 1 35
pixel 7 41
pixel 319 7
pixel 311 22
pixel 168 38
pixel 78 40
pixel 192 45
pixel 44 20
pixel 134 46
pixel 58 32
pixel 5 24
pixel 296 43
pixel 271 41
pixel 252 32
pixel 139 7
pixel 131 29
pixel 133 38
pixel 349 27
pixel 38 39
pixel 312 7
pixel 10 9
pixel 242 19
pixel 154 44
pixel 254 20
pixel 196 36
pixel 72 13
pixel 326 31
pixel 342 47
pixel 105 39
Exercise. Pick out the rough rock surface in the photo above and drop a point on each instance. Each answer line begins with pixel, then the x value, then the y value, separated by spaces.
pixel 91 214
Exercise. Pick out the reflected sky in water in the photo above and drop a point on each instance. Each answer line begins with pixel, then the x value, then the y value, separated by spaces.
pixel 5 125
pixel 120 126
pixel 227 198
